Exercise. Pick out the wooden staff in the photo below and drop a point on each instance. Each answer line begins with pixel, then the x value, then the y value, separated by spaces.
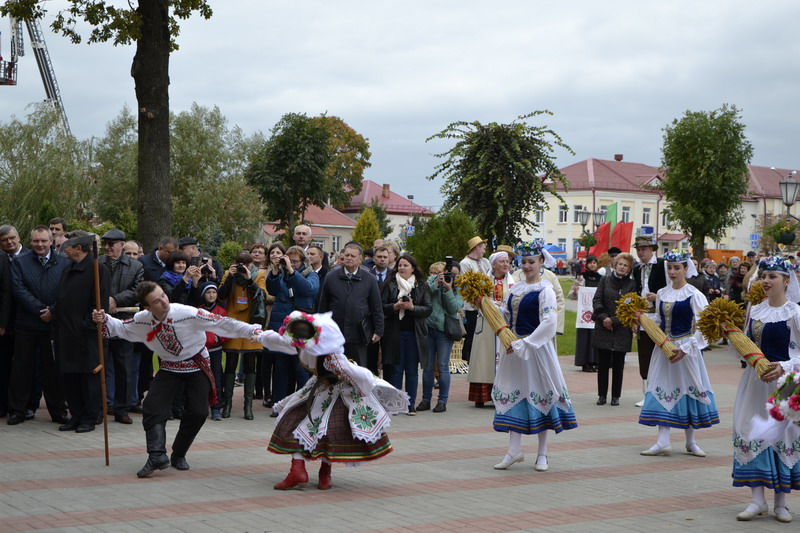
pixel 101 368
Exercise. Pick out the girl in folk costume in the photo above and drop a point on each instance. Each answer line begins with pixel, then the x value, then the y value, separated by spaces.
pixel 678 390
pixel 529 393
pixel 485 347
pixel 760 461
pixel 341 414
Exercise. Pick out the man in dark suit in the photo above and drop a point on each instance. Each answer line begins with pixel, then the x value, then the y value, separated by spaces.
pixel 650 276
pixel 35 276
pixel 126 274
pixel 380 269
pixel 154 263
pixel 352 294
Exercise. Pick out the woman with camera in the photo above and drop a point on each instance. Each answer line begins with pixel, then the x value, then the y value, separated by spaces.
pixel 179 280
pixel 239 288
pixel 446 304
pixel 406 299
pixel 264 364
pixel 294 286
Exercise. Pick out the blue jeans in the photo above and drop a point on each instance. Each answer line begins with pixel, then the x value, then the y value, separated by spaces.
pixel 409 364
pixel 438 343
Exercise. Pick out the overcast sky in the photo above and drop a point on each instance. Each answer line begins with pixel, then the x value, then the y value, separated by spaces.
pixel 613 73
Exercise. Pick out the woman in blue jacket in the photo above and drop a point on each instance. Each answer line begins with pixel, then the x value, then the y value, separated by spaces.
pixel 294 286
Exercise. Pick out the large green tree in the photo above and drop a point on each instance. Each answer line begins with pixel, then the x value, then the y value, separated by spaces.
pixel 152 25
pixel 705 160
pixel 350 154
pixel 500 173
pixel 210 197
pixel 367 230
pixel 42 171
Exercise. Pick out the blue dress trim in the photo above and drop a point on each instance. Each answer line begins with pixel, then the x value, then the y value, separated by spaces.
pixel 526 419
pixel 766 470
pixel 688 412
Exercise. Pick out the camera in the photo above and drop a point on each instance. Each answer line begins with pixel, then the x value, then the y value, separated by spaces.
pixel 194 261
pixel 448 267
pixel 241 269
pixel 404 299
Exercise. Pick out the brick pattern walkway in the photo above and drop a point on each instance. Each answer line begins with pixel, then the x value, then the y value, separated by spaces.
pixel 439 478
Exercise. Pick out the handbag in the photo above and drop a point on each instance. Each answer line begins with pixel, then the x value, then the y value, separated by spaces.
pixel 453 326
pixel 258 310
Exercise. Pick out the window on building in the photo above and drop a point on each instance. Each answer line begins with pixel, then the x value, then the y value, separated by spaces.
pixel 562 243
pixel 563 212
pixel 646 216
pixel 604 209
pixel 665 220
pixel 337 243
pixel 538 216
pixel 626 214
pixel 576 216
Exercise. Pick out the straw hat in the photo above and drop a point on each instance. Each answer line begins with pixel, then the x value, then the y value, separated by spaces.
pixel 506 248
pixel 475 241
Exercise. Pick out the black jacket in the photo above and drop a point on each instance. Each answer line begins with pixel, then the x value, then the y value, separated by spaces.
pixel 421 296
pixel 6 298
pixel 355 303
pixel 152 268
pixel 604 303
pixel 124 281
pixel 35 287
pixel 657 279
pixel 75 332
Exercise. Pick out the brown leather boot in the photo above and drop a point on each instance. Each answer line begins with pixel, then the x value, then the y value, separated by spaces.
pixel 298 477
pixel 325 481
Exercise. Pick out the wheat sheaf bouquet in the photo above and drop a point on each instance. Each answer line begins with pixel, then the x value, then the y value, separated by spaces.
pixel 632 309
pixel 725 317
pixel 476 288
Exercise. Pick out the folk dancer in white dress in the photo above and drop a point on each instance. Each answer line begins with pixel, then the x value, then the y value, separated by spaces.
pixel 760 462
pixel 679 393
pixel 529 393
pixel 341 414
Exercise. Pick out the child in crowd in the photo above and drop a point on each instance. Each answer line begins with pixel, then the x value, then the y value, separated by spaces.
pixel 208 295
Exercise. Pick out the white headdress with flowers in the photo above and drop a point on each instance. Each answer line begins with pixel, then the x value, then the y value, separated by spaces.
pixel 327 338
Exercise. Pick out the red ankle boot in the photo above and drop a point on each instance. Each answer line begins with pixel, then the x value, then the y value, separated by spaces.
pixel 325 481
pixel 298 477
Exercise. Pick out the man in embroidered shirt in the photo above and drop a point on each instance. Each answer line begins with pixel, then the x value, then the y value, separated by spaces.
pixel 177 333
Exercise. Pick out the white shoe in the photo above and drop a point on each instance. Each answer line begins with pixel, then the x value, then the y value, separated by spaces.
pixel 508 461
pixel 640 403
pixel 541 467
pixel 782 514
pixel 746 516
pixel 657 450
pixel 695 450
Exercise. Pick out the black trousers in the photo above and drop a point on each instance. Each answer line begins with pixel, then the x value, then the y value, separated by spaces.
pixel 373 353
pixel 645 348
pixel 120 352
pixel 616 362
pixel 84 396
pixel 157 404
pixel 472 322
pixel 30 346
pixel 6 359
pixel 357 352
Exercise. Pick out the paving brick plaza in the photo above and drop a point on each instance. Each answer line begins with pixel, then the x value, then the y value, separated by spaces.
pixel 439 477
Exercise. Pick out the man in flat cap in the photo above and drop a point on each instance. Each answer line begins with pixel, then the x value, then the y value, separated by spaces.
pixel 189 247
pixel 125 274
pixel 76 332
pixel 650 276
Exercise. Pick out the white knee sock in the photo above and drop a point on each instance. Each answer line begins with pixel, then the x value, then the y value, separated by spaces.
pixel 663 436
pixel 780 498
pixel 542 443
pixel 514 443
pixel 298 456
pixel 689 436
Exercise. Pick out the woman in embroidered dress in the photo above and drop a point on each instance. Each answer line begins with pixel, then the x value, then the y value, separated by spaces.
pixel 341 414
pixel 758 462
pixel 485 348
pixel 529 393
pixel 679 394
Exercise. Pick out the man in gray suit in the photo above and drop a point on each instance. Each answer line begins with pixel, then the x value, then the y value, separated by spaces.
pixel 126 274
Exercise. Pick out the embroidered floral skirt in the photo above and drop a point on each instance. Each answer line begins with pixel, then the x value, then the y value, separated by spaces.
pixel 528 420
pixel 766 470
pixel 686 412
pixel 338 445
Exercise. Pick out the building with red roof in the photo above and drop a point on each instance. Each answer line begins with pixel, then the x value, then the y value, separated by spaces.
pixel 329 227
pixel 398 208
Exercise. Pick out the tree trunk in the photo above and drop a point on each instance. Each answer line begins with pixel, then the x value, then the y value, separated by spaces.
pixel 150 71
pixel 697 243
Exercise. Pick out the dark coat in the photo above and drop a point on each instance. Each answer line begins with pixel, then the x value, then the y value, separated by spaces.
pixel 657 279
pixel 152 268
pixel 178 294
pixel 124 281
pixel 35 287
pixel 75 332
pixel 605 299
pixel 421 296
pixel 304 285
pixel 355 303
pixel 6 298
